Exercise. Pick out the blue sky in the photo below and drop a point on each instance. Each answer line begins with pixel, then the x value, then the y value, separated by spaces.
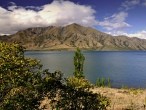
pixel 116 17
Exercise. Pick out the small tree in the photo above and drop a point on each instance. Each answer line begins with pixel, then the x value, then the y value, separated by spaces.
pixel 76 95
pixel 78 63
pixel 78 81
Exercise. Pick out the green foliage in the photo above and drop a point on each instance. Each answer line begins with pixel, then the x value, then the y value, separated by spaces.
pixel 78 63
pixel 23 82
pixel 23 85
pixel 102 82
pixel 18 78
pixel 77 95
pixel 78 83
pixel 79 99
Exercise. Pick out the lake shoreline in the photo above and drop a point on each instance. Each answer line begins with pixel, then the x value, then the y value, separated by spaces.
pixel 74 49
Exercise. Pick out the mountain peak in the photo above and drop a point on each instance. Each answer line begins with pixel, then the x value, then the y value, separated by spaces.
pixel 75 25
pixel 71 37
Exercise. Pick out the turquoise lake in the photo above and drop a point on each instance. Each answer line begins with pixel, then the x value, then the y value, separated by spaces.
pixel 123 68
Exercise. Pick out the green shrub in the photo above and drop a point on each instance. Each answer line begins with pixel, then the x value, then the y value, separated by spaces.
pixel 78 83
pixel 19 77
pixel 102 82
pixel 80 99
pixel 23 82
pixel 23 85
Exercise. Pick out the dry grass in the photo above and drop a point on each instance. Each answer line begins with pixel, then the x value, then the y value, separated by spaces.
pixel 124 99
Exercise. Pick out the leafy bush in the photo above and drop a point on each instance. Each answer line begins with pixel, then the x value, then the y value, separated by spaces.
pixel 78 95
pixel 19 78
pixel 23 85
pixel 23 82
pixel 80 99
pixel 78 83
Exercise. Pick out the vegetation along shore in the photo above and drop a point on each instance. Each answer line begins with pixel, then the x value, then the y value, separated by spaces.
pixel 25 85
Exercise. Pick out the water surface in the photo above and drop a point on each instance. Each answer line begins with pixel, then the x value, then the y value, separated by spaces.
pixel 123 68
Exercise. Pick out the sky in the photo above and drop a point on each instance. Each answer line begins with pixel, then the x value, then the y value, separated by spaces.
pixel 116 17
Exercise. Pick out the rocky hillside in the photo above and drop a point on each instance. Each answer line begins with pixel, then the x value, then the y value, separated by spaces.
pixel 72 36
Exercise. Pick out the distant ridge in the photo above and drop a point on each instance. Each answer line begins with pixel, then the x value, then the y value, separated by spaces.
pixel 71 37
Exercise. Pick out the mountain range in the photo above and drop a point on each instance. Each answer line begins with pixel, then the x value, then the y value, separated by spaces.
pixel 72 36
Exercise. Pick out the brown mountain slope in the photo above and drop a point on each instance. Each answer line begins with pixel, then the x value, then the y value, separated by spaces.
pixel 72 36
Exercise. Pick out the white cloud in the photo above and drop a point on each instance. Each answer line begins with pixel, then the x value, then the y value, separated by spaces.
pixel 115 22
pixel 117 33
pixel 129 4
pixel 57 13
pixel 139 34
